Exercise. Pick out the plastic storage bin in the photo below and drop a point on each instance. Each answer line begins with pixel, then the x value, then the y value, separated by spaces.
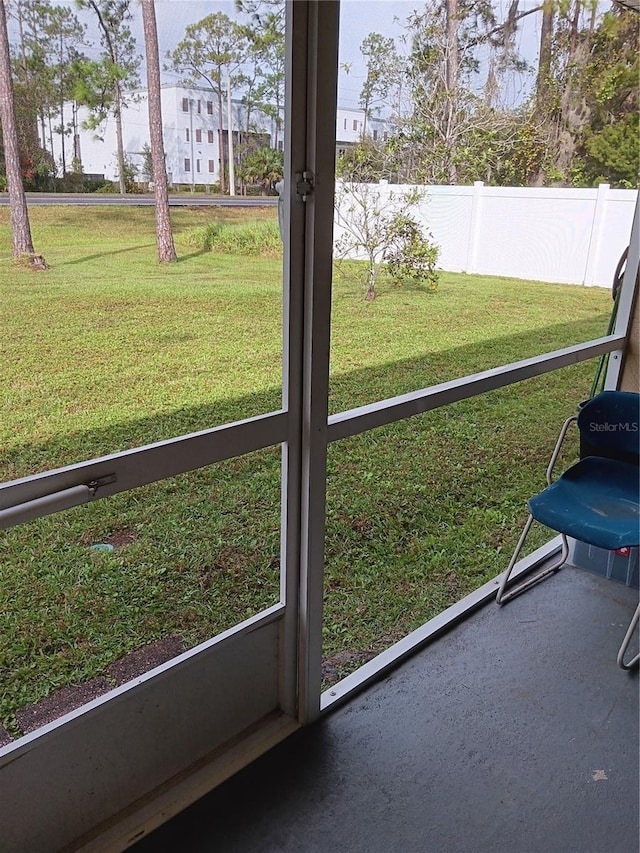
pixel 615 565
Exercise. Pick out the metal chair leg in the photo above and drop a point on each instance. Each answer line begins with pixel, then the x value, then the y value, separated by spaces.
pixel 503 595
pixel 627 640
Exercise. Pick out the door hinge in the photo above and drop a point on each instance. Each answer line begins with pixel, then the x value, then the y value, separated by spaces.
pixel 305 184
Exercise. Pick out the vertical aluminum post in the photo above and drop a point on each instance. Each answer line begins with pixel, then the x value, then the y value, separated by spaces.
pixel 627 299
pixel 309 197
pixel 291 207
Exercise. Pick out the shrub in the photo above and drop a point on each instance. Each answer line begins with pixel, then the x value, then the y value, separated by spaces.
pixel 203 236
pixel 253 238
pixel 410 256
pixel 263 166
pixel 93 185
pixel 130 173
pixel 107 187
pixel 71 182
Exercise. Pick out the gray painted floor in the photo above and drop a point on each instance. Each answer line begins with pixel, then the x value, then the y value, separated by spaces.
pixel 515 732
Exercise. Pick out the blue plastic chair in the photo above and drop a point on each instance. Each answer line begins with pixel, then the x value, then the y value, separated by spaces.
pixel 597 500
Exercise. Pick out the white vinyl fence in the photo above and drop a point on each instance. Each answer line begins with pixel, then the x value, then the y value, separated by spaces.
pixel 568 236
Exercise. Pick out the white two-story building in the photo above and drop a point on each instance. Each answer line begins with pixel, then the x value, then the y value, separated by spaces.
pixel 192 137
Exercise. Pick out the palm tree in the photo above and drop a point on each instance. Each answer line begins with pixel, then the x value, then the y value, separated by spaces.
pixel 264 166
pixel 21 230
pixel 164 235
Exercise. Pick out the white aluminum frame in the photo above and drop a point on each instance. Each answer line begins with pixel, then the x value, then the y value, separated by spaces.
pixel 628 296
pixel 394 409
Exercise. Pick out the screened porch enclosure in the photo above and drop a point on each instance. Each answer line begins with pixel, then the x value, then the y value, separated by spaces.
pixel 147 749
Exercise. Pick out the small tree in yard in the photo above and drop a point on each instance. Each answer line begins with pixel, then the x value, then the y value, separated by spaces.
pixel 129 174
pixel 146 169
pixel 374 225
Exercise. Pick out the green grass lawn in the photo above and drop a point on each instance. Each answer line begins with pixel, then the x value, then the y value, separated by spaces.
pixel 107 350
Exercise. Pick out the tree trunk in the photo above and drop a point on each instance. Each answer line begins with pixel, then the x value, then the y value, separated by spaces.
pixel 77 153
pixel 452 62
pixel 452 57
pixel 220 136
pixel 50 129
pixel 112 49
pixel 574 114
pixel 20 228
pixel 164 235
pixel 370 293
pixel 277 127
pixel 232 174
pixel 62 144
pixel 43 129
pixel 543 78
pixel 119 141
pixel 63 158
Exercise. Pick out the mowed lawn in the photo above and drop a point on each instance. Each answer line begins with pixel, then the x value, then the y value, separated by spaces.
pixel 106 350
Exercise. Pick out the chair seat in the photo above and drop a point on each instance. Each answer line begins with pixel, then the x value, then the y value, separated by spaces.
pixel 597 501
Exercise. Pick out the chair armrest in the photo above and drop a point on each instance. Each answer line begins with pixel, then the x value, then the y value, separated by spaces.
pixel 556 451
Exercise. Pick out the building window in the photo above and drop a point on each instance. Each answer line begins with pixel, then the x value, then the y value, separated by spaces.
pixel 355 124
pixel 197 165
pixel 280 145
pixel 375 134
pixel 385 137
pixel 345 124
pixel 186 133
pixel 198 106
pixel 210 136
pixel 210 107
pixel 198 135
pixel 187 164
pixel 185 105
pixel 211 168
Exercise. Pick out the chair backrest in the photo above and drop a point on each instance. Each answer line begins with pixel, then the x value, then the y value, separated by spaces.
pixel 609 426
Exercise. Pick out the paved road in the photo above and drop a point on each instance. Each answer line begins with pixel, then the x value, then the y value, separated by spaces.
pixel 196 200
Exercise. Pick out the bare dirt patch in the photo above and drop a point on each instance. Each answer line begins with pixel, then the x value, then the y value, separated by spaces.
pixel 139 661
pixel 32 717
pixel 335 667
pixel 66 699
pixel 120 538
pixel 5 737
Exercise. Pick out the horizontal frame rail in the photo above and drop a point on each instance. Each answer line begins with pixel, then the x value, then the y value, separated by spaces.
pixel 53 502
pixel 384 412
pixel 143 465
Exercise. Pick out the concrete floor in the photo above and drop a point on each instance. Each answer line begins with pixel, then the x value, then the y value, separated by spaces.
pixel 515 732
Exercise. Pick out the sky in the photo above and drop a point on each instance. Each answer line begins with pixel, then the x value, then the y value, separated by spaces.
pixel 358 18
